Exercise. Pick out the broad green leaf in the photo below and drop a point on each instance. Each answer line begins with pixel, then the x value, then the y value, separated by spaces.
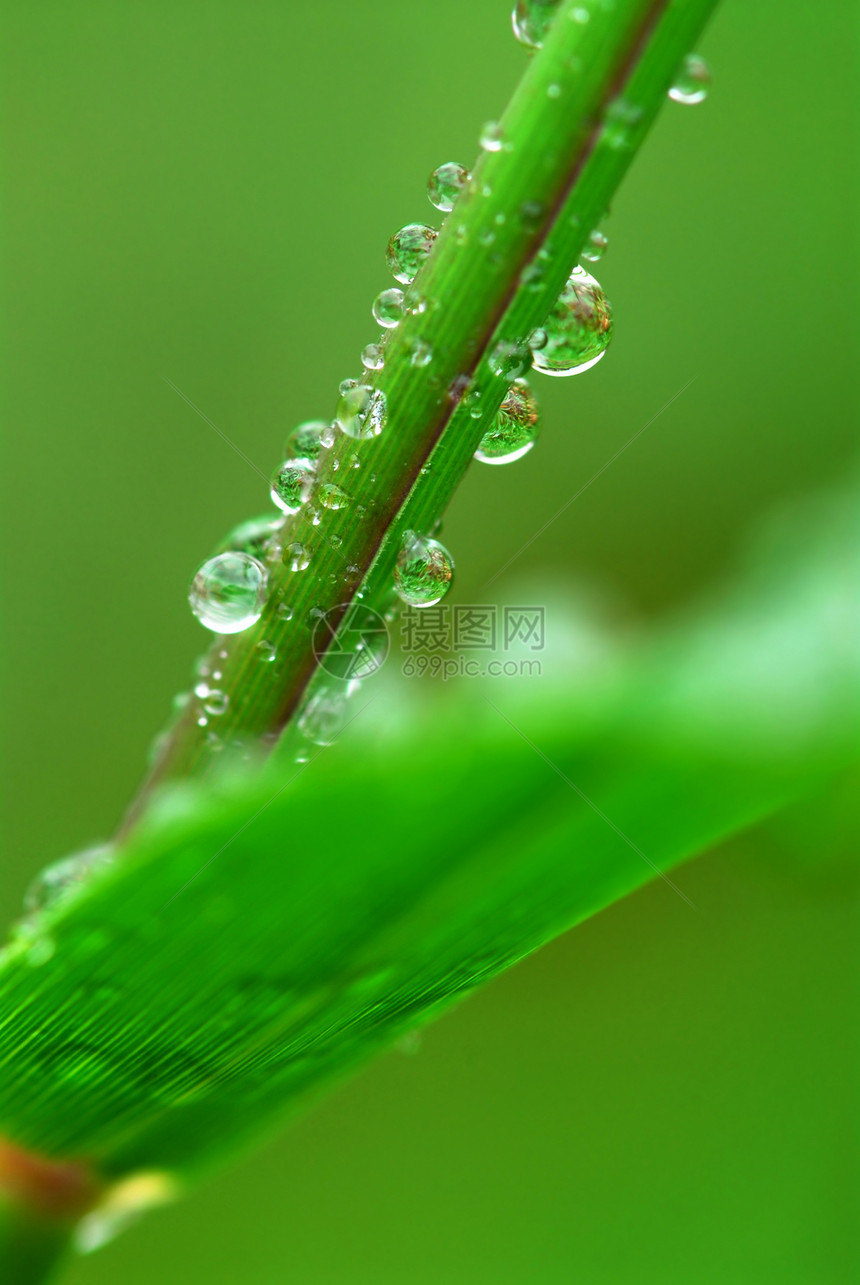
pixel 258 939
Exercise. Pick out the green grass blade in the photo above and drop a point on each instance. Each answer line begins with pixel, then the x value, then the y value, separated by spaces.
pixel 258 941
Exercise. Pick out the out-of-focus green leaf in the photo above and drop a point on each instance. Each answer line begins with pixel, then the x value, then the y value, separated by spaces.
pixel 260 939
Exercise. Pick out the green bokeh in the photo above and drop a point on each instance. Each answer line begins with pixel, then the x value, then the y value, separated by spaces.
pixel 204 193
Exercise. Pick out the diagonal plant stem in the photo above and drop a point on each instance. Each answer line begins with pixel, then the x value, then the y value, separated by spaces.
pixel 573 125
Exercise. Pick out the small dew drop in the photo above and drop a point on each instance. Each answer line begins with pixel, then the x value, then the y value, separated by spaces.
pixel 372 357
pixel 228 592
pixel 691 82
pixel 424 570
pixel 595 246
pixel 331 496
pixel 53 884
pixel 308 440
pixel 290 482
pixel 266 651
pixel 361 411
pixel 388 308
pixel 446 183
pixel 323 717
pixel 510 360
pixel 296 557
pixel 408 249
pixel 285 611
pixel 491 137
pixel 531 21
pixel 420 353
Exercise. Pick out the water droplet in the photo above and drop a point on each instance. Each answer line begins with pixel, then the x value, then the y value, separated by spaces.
pixel 266 651
pixel 372 357
pixel 491 137
pixel 578 329
pixel 446 183
pixel 515 427
pixel 553 89
pixel 214 701
pixel 508 360
pixel 361 411
pixel 531 213
pixel 421 354
pixel 595 246
pixel 253 536
pixel 297 557
pixel 620 121
pixel 331 496
pixel 408 249
pixel 323 717
pixel 423 571
pixel 290 482
pixel 228 592
pixel 345 385
pixel 285 611
pixel 538 338
pixel 691 82
pixel 308 440
pixel 531 21
pixel 388 308
pixel 53 884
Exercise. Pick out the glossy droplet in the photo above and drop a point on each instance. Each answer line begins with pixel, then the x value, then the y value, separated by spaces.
pixel 408 249
pixel 228 592
pixel 491 139
pixel 361 411
pixel 620 121
pixel 578 329
pixel 55 882
pixel 296 557
pixel 515 427
pixel 346 384
pixel 691 82
pixel 290 482
pixel 331 496
pixel 213 700
pixel 595 246
pixel 531 21
pixel 323 717
pixel 266 651
pixel 446 183
pixel 253 536
pixel 388 308
pixel 308 440
pixel 372 357
pixel 423 571
pixel 510 361
pixel 420 353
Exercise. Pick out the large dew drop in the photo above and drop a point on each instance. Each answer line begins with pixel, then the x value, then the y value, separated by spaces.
pixel 228 593
pixel 515 428
pixel 408 249
pixel 577 332
pixel 691 82
pixel 445 184
pixel 361 411
pixel 531 21
pixel 423 571
pixel 290 483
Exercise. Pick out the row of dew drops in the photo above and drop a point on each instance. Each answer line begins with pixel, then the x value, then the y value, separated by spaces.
pixel 229 591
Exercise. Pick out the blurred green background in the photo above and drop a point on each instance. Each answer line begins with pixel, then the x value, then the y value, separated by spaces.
pixel 203 192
